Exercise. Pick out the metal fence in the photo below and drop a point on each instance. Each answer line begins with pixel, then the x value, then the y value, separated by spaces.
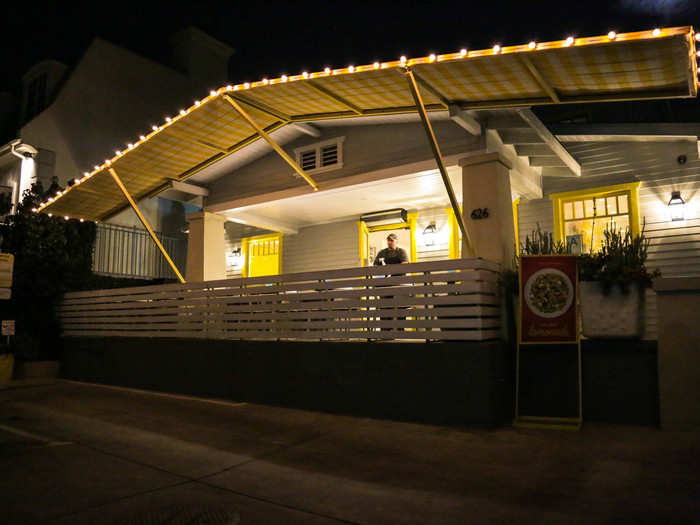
pixel 123 251
pixel 441 300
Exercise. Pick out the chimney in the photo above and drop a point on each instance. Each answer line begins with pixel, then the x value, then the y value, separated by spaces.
pixel 201 57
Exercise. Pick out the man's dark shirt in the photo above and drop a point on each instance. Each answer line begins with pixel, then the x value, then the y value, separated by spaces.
pixel 395 256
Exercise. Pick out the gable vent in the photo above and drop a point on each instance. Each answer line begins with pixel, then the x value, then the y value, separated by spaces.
pixel 307 159
pixel 329 155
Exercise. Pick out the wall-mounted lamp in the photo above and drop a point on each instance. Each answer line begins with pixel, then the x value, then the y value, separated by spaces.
pixel 676 206
pixel 429 234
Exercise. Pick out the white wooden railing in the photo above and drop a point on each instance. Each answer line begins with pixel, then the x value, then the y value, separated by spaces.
pixel 454 299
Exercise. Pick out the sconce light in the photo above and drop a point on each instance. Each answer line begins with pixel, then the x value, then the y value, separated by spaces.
pixel 429 234
pixel 676 206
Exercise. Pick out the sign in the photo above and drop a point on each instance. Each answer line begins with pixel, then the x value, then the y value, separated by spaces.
pixel 8 328
pixel 548 290
pixel 7 261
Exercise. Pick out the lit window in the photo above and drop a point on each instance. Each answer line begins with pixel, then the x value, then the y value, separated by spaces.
pixel 582 217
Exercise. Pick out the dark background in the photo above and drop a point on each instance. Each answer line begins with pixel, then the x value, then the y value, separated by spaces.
pixel 272 38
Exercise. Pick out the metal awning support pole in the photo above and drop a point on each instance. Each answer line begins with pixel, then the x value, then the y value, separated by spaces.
pixel 271 142
pixel 438 158
pixel 145 223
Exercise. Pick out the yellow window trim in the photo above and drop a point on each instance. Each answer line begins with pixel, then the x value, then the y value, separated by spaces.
pixel 516 202
pixel 558 200
pixel 246 241
pixel 410 225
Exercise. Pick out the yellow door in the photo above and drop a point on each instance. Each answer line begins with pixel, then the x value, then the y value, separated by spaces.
pixel 263 255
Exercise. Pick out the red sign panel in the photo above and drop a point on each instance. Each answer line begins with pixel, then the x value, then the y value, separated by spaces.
pixel 548 299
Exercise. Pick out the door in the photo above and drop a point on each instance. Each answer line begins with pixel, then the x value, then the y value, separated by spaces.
pixel 263 255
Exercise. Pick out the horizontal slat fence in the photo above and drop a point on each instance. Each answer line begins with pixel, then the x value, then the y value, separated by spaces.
pixel 441 300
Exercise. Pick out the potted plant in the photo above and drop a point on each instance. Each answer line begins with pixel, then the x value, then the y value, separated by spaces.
pixel 612 285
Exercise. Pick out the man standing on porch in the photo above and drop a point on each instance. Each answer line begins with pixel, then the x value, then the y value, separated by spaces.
pixel 392 254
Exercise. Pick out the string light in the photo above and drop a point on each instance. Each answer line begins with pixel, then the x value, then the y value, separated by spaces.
pixel 76 181
pixel 326 70
pixel 154 128
pixel 496 48
pixel 168 120
pixel 229 87
pixel 376 65
pixel 463 52
pixel 351 69
pixel 117 152
pixel 264 81
pixel 305 74
pixel 82 220
pixel 697 37
pixel 65 217
pixel 50 215
pixel 431 58
pixel 212 93
pixel 197 103
pixel 402 60
pixel 142 137
pixel 656 32
pixel 569 40
pixel 34 210
pixel 532 45
pixel 284 77
pixel 612 35
pixel 182 112
pixel 246 85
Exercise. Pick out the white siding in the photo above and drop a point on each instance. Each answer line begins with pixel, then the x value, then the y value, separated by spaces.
pixel 322 247
pixel 534 212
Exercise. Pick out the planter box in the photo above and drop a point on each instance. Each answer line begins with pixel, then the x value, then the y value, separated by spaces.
pixel 37 370
pixel 612 315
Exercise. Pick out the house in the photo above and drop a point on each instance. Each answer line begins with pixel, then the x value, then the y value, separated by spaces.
pixel 303 177
pixel 73 115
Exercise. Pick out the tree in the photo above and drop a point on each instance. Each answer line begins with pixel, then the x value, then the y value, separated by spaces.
pixel 52 256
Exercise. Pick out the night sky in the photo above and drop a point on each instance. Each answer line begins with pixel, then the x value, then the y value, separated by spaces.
pixel 272 38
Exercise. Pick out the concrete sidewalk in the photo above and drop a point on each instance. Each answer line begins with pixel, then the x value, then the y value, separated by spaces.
pixel 73 453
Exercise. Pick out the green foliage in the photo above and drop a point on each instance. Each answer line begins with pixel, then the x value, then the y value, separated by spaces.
pixel 542 243
pixel 52 256
pixel 620 262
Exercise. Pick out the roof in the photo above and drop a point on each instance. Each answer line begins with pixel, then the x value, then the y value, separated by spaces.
pixel 644 65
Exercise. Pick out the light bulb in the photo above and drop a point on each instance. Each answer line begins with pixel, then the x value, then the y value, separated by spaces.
pixel 142 137
pixel 97 168
pixel 432 57
pixel 129 145
pixel 496 48
pixel 212 93
pixel 82 220
pixel 182 112
pixel 168 119
pixel 76 181
pixel 532 45
pixel 117 152
pixel 612 35
pixel 85 174
pixel 34 210
pixel 326 70
pixel 351 69
pixel 197 103
pixel 154 128
pixel 229 87
pixel 284 78
pixel 246 85
pixel 305 74
pixel 656 32
pixel 65 217
pixel 264 81
pixel 376 65
pixel 569 40
pixel 402 60
pixel 463 52
pixel 50 215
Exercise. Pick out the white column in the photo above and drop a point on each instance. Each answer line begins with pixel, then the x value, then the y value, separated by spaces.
pixel 206 247
pixel 486 184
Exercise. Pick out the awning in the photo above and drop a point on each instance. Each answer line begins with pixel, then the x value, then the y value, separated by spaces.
pixel 631 66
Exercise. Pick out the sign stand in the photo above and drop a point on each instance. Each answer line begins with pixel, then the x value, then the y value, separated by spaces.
pixel 546 323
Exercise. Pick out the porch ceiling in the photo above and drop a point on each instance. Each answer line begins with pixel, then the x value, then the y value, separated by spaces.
pixel 630 66
pixel 415 191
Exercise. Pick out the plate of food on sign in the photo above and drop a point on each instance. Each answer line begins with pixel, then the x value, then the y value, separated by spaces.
pixel 549 293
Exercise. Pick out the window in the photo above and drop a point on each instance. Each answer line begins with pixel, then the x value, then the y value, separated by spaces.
pixel 581 217
pixel 322 156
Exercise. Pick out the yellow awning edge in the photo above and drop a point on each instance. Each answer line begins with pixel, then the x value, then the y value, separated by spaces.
pixel 644 65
